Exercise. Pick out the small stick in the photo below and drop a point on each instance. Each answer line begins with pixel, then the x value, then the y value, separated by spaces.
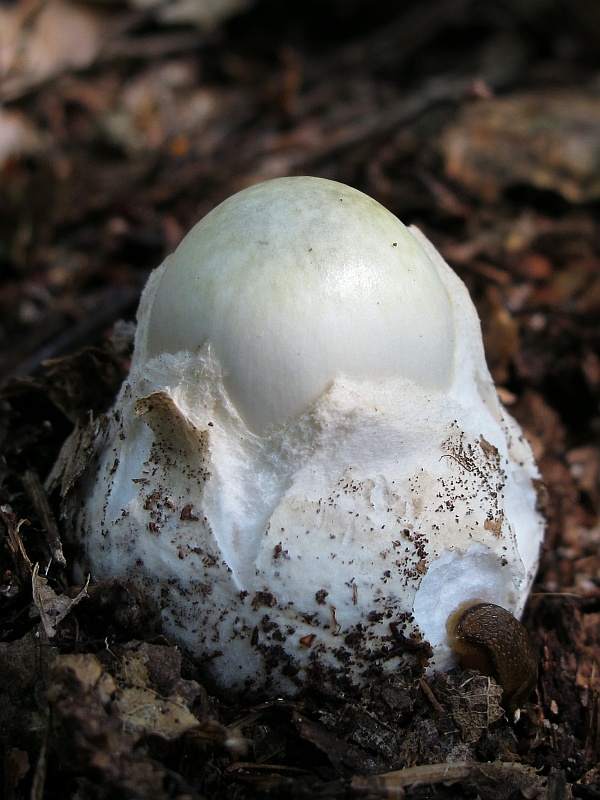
pixel 37 496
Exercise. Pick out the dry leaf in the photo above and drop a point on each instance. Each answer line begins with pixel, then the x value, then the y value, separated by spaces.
pixel 52 607
pixel 40 40
pixel 144 710
pixel 17 135
pixel 544 139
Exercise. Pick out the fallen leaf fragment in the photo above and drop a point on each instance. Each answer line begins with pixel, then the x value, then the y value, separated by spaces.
pixel 92 737
pixel 495 779
pixel 17 136
pixel 144 710
pixel 548 140
pixel 203 13
pixel 477 706
pixel 38 41
pixel 52 607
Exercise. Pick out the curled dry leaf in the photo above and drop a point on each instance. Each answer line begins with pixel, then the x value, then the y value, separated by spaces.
pixel 52 607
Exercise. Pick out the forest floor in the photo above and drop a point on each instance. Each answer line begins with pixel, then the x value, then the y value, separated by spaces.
pixel 477 122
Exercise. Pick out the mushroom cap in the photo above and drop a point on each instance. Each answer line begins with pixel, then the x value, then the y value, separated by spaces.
pixel 309 453
pixel 295 281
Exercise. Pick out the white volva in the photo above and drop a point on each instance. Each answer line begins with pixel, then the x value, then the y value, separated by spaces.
pixel 309 455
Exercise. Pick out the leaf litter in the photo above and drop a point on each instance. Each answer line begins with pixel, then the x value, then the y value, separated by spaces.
pixel 477 128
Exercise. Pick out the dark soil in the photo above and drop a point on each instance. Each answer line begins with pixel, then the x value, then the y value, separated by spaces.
pixel 478 122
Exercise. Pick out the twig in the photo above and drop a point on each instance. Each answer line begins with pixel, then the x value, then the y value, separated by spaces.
pixel 37 496
pixel 391 784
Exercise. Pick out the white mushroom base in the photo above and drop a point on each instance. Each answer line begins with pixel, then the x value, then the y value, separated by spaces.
pixel 298 556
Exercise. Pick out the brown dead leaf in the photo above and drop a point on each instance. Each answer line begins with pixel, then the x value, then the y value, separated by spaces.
pixel 203 13
pixel 40 40
pixel 476 706
pixel 92 737
pixel 145 712
pixel 543 139
pixel 52 607
pixel 76 456
pixel 161 105
pixel 17 135
pixel 500 333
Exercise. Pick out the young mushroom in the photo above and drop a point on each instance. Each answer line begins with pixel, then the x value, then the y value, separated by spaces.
pixel 309 453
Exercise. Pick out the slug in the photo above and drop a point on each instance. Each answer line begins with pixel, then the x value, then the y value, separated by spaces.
pixel 301 431
pixel 490 639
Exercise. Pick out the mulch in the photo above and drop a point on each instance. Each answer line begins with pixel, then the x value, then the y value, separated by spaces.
pixel 477 122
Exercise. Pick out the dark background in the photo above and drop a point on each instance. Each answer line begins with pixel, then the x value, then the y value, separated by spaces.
pixel 120 127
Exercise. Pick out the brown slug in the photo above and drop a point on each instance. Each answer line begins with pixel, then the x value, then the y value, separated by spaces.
pixel 490 639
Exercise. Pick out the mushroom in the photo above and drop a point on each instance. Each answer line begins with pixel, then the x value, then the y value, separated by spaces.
pixel 309 455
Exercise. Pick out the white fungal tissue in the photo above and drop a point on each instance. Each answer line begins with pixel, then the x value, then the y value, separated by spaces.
pixel 309 464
